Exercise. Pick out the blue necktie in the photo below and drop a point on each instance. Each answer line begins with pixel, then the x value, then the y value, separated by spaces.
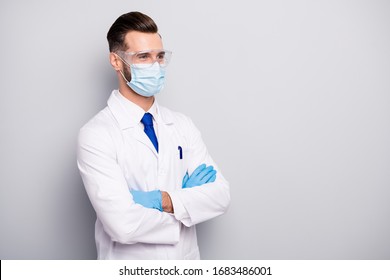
pixel 147 120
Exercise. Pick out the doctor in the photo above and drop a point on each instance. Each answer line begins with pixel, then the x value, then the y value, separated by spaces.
pixel 145 168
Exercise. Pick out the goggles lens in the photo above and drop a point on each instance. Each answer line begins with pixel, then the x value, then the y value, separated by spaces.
pixel 146 58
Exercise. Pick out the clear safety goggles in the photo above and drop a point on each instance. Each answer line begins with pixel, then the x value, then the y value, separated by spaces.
pixel 145 59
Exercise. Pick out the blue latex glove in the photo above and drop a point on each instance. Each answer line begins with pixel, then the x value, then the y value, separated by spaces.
pixel 201 175
pixel 151 199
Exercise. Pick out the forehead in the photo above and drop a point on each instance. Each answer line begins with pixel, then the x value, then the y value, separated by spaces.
pixel 139 41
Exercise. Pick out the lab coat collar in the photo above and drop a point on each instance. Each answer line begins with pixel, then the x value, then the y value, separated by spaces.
pixel 128 114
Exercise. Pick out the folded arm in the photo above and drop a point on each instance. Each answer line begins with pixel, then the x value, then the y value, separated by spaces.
pixel 203 195
pixel 160 200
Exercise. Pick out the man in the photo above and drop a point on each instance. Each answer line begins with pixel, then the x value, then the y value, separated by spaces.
pixel 145 168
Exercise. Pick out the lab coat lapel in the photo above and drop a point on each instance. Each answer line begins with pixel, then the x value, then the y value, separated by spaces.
pixel 165 131
pixel 128 120
pixel 141 136
pixel 165 134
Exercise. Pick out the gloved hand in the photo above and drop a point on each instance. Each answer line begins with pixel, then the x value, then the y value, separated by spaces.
pixel 151 199
pixel 200 176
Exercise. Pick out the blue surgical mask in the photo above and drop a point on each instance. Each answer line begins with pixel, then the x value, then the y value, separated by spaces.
pixel 146 80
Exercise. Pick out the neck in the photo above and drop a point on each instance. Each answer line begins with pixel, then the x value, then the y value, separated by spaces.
pixel 144 102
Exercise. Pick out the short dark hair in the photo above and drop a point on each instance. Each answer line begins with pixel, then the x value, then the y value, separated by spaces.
pixel 133 21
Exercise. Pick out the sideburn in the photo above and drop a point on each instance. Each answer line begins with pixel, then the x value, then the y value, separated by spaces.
pixel 126 72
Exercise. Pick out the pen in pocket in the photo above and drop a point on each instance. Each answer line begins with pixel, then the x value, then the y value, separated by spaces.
pixel 180 152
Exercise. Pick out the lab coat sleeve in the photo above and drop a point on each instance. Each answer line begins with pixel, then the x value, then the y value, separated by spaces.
pixel 201 203
pixel 124 220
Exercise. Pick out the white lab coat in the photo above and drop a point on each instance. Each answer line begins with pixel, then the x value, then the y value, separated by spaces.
pixel 115 156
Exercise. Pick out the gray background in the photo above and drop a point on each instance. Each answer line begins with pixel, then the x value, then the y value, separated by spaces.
pixel 292 98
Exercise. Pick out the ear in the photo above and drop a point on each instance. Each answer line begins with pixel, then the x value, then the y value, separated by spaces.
pixel 116 63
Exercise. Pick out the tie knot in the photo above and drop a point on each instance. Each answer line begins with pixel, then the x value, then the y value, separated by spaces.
pixel 147 119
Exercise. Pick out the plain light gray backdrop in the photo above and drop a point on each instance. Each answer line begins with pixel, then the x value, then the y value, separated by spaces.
pixel 292 99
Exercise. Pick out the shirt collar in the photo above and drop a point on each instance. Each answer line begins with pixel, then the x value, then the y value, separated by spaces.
pixel 129 114
pixel 153 110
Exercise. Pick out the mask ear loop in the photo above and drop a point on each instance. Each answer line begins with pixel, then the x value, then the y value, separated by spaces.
pixel 120 71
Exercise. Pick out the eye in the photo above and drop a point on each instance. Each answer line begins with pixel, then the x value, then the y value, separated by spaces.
pixel 161 56
pixel 143 56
